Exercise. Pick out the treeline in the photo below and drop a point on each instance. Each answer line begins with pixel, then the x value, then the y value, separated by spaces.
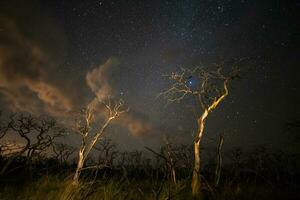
pixel 44 154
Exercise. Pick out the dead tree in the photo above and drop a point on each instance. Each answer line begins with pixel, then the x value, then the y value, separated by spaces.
pixel 209 90
pixel 136 159
pixel 46 132
pixel 38 133
pixel 62 152
pixel 89 137
pixel 23 125
pixel 169 154
pixel 219 160
pixel 107 152
pixel 167 157
pixel 183 154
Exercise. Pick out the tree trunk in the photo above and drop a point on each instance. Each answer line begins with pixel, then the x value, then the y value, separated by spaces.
pixel 196 180
pixel 86 148
pixel 79 167
pixel 219 161
pixel 173 174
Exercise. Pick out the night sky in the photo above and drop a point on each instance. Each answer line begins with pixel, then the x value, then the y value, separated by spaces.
pixel 56 55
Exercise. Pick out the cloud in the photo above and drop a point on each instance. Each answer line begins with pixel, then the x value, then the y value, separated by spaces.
pixel 56 102
pixel 19 99
pixel 98 80
pixel 27 82
pixel 138 124
pixel 24 75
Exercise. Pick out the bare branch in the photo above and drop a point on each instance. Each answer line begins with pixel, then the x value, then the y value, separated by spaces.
pixel 114 109
pixel 209 88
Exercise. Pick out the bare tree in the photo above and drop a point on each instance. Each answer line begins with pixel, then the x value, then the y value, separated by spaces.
pixel 84 129
pixel 38 133
pixel 46 131
pixel 183 154
pixel 171 157
pixel 135 158
pixel 62 152
pixel 23 125
pixel 209 89
pixel 168 157
pixel 107 152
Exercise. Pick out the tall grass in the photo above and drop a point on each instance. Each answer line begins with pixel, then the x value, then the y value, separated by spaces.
pixel 54 188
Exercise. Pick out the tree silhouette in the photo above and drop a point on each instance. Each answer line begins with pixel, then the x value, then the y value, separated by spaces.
pixel 38 133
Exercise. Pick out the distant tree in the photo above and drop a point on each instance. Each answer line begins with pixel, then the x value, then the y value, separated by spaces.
pixel 209 89
pixel 168 157
pixel 23 126
pixel 62 152
pixel 38 133
pixel 107 152
pixel 46 132
pixel 89 137
pixel 183 154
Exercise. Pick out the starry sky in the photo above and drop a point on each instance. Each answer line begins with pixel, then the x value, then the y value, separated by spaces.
pixel 56 55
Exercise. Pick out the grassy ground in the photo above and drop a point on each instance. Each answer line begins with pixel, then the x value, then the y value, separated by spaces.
pixel 264 176
pixel 54 188
pixel 57 188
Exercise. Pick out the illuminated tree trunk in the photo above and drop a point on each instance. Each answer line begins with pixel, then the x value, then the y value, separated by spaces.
pixel 85 149
pixel 173 175
pixel 196 183
pixel 79 166
pixel 209 94
pixel 196 179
